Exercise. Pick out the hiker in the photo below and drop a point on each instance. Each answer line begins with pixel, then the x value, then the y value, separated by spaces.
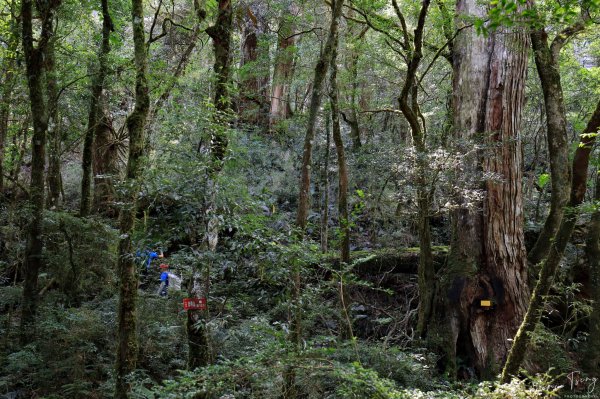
pixel 164 279
pixel 149 256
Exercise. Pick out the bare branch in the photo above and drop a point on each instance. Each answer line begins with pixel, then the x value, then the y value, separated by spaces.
pixel 563 36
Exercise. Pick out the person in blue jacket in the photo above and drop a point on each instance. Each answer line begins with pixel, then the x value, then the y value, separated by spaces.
pixel 164 280
pixel 149 256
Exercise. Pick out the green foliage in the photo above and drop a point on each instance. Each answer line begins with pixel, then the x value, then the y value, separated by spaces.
pixel 72 354
pixel 548 351
pixel 328 372
pixel 543 179
pixel 80 255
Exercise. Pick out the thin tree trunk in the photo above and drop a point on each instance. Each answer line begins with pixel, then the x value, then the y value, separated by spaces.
pixel 343 214
pixel 175 75
pixel 127 342
pixel 557 249
pixel 8 83
pixel 325 179
pixel 96 93
pixel 408 102
pixel 354 56
pixel 220 33
pixel 547 63
pixel 342 166
pixel 18 152
pixel 487 259
pixel 34 60
pixel 54 134
pixel 315 103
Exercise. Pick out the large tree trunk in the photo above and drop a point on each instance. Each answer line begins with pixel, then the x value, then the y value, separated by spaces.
pixel 96 93
pixel 254 104
pixel 105 162
pixel 315 104
pixel 34 60
pixel 557 249
pixel 487 260
pixel 220 33
pixel 592 249
pixel 282 76
pixel 127 343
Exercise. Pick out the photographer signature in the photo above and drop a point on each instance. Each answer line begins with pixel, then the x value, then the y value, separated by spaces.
pixel 577 381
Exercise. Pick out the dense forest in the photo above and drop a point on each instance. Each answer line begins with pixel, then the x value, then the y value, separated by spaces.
pixel 299 199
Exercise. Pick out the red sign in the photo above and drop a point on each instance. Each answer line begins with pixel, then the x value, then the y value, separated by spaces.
pixel 194 303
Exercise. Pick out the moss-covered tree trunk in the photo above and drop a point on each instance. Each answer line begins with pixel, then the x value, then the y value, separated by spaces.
pixel 34 61
pixel 557 249
pixel 343 214
pixel 8 83
pixel 127 342
pixel 325 185
pixel 354 43
pixel 199 354
pixel 547 62
pixel 94 111
pixel 220 33
pixel 315 104
pixel 487 259
pixel 53 176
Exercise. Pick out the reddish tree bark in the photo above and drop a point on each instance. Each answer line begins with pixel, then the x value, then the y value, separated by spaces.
pixel 487 260
pixel 282 76
pixel 557 249
pixel 254 104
